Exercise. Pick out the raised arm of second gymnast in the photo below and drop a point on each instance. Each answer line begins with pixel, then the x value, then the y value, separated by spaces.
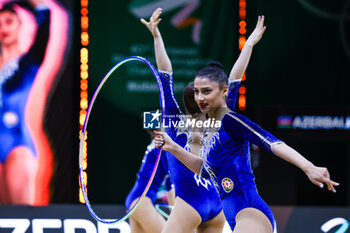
pixel 241 64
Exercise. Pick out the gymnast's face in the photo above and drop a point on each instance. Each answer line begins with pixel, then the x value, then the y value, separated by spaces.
pixel 9 28
pixel 208 94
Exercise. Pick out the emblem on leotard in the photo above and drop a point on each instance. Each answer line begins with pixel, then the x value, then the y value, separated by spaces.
pixel 227 184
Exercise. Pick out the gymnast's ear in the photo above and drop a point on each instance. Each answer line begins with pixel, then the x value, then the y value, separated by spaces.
pixel 225 90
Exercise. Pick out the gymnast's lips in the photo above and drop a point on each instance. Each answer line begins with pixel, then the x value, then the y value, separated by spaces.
pixel 203 105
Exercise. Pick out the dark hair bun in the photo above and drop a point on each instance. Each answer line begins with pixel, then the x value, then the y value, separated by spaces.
pixel 216 64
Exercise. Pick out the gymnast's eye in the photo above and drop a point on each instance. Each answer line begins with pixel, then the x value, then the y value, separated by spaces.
pixel 206 91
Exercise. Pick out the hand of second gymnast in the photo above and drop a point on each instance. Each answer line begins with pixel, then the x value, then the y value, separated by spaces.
pixel 258 32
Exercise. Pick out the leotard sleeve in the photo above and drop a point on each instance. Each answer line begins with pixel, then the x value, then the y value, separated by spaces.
pixel 232 94
pixel 240 127
pixel 171 105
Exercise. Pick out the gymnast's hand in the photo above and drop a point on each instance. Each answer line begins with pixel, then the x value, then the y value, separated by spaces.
pixel 152 25
pixel 258 32
pixel 320 175
pixel 163 140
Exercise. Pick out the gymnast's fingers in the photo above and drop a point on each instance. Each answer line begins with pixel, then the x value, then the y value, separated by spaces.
pixel 262 21
pixel 144 22
pixel 257 23
pixel 331 185
pixel 158 12
pixel 156 23
pixel 154 15
pixel 158 141
pixel 317 183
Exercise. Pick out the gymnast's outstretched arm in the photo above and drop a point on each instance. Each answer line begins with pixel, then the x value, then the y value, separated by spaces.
pixel 241 64
pixel 317 175
pixel 239 127
pixel 163 61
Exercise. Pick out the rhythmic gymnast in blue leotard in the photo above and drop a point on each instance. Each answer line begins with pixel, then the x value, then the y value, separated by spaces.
pixel 197 204
pixel 146 218
pixel 225 156
pixel 193 193
pixel 196 191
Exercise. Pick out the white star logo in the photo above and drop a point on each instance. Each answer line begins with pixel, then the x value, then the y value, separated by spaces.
pixel 155 115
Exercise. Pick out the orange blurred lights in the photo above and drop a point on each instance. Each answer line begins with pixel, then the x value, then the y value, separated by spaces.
pixel 84 152
pixel 84 74
pixel 242 31
pixel 242 24
pixel 242 102
pixel 81 197
pixel 82 112
pixel 84 52
pixel 84 103
pixel 84 3
pixel 84 67
pixel 242 90
pixel 84 11
pixel 242 13
pixel 83 84
pixel 241 41
pixel 84 94
pixel 84 22
pixel 82 119
pixel 84 38
pixel 242 3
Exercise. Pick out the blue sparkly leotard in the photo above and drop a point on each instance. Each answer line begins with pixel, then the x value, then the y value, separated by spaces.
pixel 144 174
pixel 196 191
pixel 227 161
pixel 16 80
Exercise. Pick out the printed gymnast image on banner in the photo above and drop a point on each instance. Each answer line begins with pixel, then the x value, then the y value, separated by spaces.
pixel 34 46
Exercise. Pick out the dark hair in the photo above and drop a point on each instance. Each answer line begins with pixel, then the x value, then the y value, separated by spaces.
pixel 190 104
pixel 214 71
pixel 10 6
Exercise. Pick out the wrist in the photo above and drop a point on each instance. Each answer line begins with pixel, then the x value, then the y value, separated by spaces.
pixel 249 44
pixel 156 33
pixel 307 167
pixel 172 148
